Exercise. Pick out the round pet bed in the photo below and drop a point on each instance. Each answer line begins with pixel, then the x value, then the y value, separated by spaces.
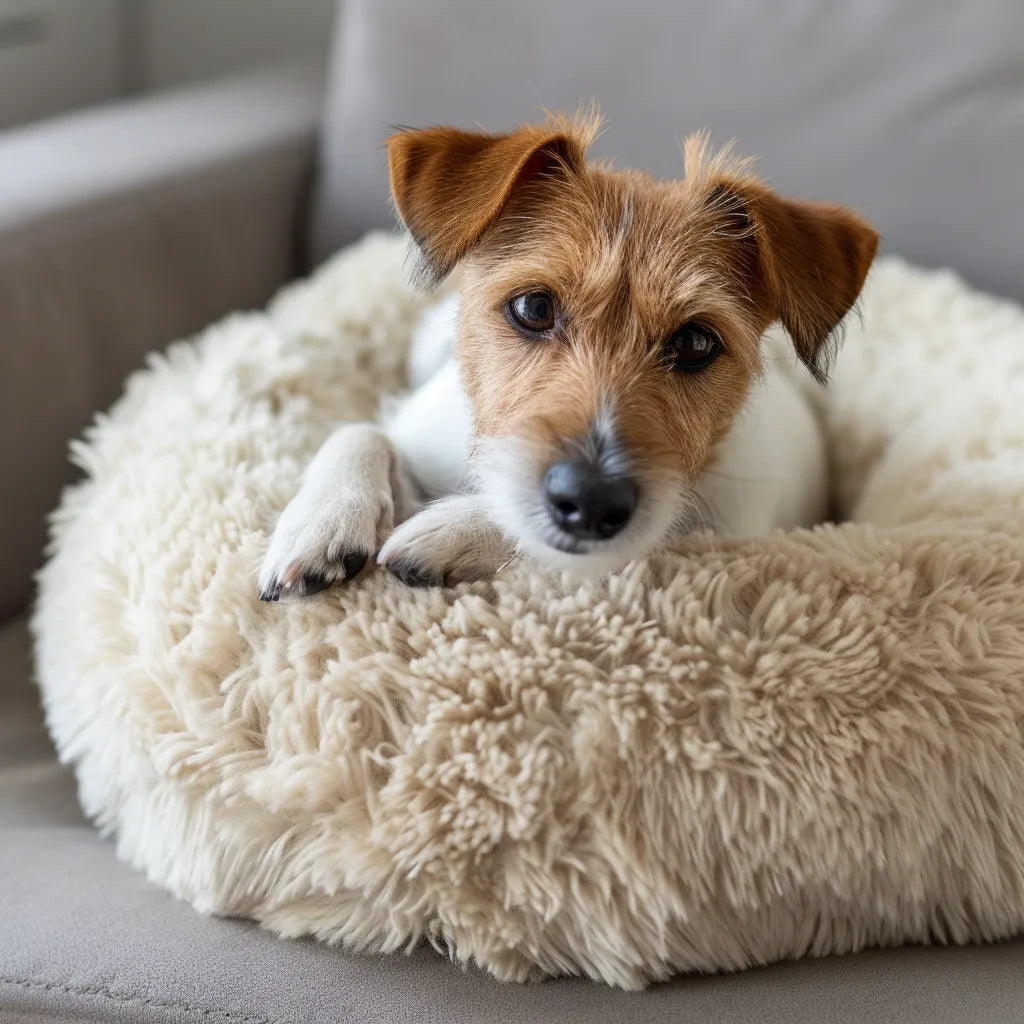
pixel 734 753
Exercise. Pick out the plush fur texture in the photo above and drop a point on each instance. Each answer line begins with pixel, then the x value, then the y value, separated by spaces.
pixel 731 754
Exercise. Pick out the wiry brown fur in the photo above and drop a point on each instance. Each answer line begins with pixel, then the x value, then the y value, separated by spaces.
pixel 629 259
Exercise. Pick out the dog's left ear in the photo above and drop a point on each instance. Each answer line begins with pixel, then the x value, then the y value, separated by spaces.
pixel 812 259
pixel 450 186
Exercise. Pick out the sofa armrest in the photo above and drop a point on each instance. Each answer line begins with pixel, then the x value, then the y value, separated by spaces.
pixel 121 229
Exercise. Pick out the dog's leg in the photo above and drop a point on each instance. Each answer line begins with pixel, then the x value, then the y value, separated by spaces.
pixel 451 541
pixel 432 431
pixel 352 493
pixel 454 539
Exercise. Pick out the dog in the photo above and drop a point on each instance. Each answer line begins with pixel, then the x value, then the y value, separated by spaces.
pixel 599 383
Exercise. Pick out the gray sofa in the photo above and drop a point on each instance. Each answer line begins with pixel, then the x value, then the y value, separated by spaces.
pixel 130 225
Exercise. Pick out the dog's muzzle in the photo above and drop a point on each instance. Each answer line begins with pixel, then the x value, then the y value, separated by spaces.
pixel 587 503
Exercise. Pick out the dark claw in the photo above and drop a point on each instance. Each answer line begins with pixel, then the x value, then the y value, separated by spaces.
pixel 413 575
pixel 312 583
pixel 353 564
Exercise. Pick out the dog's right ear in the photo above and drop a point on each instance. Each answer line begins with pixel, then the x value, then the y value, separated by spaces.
pixel 450 186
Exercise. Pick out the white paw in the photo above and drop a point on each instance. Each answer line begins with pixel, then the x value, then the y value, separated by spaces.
pixel 318 543
pixel 451 541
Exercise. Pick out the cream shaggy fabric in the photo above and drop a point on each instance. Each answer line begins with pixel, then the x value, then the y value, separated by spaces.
pixel 736 753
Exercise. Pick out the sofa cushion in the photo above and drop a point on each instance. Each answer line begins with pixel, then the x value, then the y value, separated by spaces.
pixel 913 111
pixel 122 228
pixel 86 938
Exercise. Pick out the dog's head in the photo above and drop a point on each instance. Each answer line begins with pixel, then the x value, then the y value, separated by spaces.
pixel 610 323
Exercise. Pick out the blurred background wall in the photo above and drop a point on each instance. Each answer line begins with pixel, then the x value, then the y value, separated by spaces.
pixel 56 55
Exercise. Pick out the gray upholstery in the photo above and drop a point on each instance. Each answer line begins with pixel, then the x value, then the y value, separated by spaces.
pixel 125 227
pixel 88 938
pixel 120 230
pixel 912 111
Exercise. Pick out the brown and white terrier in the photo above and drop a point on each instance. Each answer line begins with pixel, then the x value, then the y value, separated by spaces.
pixel 598 383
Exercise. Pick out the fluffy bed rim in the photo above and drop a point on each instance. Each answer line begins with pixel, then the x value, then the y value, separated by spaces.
pixel 731 754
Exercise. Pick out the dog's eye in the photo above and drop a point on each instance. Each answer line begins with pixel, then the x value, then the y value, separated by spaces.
pixel 533 312
pixel 692 348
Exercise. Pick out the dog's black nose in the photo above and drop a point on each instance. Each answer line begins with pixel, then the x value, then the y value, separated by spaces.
pixel 587 503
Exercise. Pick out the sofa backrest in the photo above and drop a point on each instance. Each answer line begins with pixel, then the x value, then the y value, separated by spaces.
pixel 910 110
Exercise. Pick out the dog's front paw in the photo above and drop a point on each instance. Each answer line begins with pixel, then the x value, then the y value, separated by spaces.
pixel 451 541
pixel 315 544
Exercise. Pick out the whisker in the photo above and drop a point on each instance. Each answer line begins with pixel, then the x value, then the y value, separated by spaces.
pixel 695 514
pixel 733 476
